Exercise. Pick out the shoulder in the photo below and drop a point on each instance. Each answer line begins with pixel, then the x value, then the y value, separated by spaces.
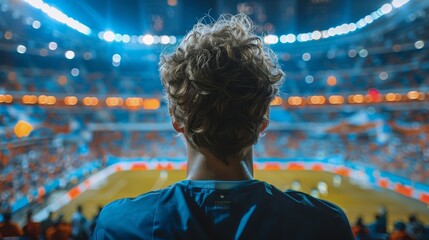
pixel 121 217
pixel 324 217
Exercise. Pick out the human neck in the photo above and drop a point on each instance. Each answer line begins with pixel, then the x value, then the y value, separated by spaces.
pixel 202 165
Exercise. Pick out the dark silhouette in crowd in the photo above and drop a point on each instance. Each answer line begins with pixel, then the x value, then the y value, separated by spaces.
pixel 219 83
pixel 79 225
pixel 9 228
pixel 59 231
pixel 399 232
pixel 31 229
pixel 94 219
pixel 360 231
pixel 46 224
pixel 415 228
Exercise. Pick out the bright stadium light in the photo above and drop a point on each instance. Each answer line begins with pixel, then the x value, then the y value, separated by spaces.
pixel 271 39
pixel 109 36
pixel 69 54
pixel 316 35
pixel 59 16
pixel 126 38
pixel 118 37
pixel 291 38
pixel 52 46
pixel 164 39
pixel 36 24
pixel 116 58
pixel 386 8
pixel 21 49
pixel 148 39
pixel 173 40
pixel 399 3
pixel 419 44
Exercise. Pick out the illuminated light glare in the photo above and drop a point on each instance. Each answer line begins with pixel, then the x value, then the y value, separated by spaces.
pixel 87 56
pixel 271 39
pixel 361 23
pixel 309 79
pixel 363 53
pixel 352 27
pixel 383 75
pixel 316 35
pixel 295 101
pixel 148 39
pixel 108 36
pixel 60 16
pixel 151 104
pixel 22 129
pixel 358 98
pixel 398 97
pixel 352 53
pixel 396 48
pixel 350 99
pixel 421 96
pixel 116 64
pixel 114 101
pixel 325 34
pixel 390 97
pixel 69 54
pixel 399 3
pixel 51 100
pixel 336 99
pixel 173 40
pixel 118 37
pixel 134 102
pixel 386 8
pixel 276 101
pixel 75 72
pixel 306 57
pixel 116 58
pixel 413 95
pixel 8 98
pixel 172 3
pixel 331 81
pixel 43 52
pixel 419 44
pixel 70 100
pixel 21 49
pixel 291 38
pixel 126 38
pixel 100 35
pixel 8 35
pixel 369 19
pixel 29 99
pixel 36 24
pixel 52 46
pixel 62 80
pixel 331 32
pixel 42 99
pixel 283 39
pixel 90 101
pixel 316 100
pixel 164 39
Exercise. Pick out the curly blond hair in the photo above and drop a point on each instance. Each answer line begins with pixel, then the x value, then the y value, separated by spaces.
pixel 219 83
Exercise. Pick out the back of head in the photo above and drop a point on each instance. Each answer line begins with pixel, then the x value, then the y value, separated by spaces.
pixel 219 83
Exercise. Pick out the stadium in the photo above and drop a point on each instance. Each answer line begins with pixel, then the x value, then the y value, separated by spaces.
pixel 84 119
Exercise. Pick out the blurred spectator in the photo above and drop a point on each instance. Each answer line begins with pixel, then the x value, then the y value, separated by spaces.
pixel 59 231
pixel 399 232
pixel 415 228
pixel 360 231
pixel 9 228
pixel 79 225
pixel 46 224
pixel 31 229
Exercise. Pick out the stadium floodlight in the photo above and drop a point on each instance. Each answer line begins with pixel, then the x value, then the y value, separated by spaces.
pixel 109 36
pixel 75 72
pixel 173 40
pixel 148 39
pixel 271 39
pixel 21 49
pixel 36 24
pixel 386 8
pixel 419 44
pixel 52 46
pixel 69 54
pixel 59 16
pixel 316 35
pixel 126 38
pixel 369 19
pixel 164 39
pixel 118 37
pixel 116 58
pixel 291 38
pixel 399 3
pixel 306 57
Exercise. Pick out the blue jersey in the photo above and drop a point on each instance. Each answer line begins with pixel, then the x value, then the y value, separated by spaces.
pixel 222 210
